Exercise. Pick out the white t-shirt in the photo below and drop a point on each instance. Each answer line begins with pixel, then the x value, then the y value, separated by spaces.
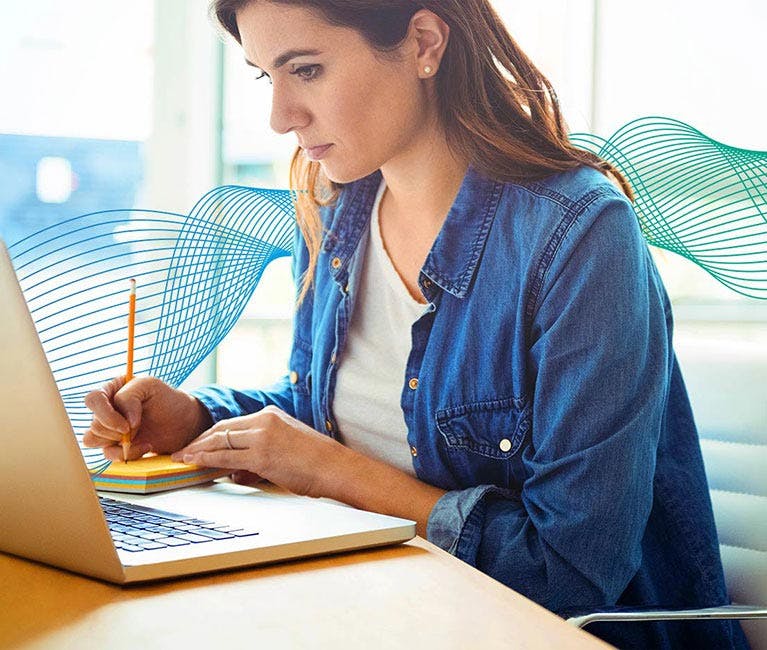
pixel 371 371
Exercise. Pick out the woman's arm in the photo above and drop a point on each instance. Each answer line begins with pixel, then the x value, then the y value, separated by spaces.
pixel 224 403
pixel 600 355
pixel 370 484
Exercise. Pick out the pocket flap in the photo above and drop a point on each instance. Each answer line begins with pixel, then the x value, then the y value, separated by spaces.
pixel 492 428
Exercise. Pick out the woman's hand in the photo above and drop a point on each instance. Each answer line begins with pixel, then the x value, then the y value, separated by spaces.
pixel 158 417
pixel 272 445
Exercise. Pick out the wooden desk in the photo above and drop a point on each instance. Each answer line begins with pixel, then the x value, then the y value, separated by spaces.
pixel 414 595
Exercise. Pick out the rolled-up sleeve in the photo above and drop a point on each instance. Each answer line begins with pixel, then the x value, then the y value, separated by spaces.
pixel 599 363
pixel 224 403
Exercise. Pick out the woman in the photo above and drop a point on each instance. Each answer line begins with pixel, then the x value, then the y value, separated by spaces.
pixel 481 343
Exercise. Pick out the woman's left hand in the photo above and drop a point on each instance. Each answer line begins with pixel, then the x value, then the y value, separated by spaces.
pixel 272 445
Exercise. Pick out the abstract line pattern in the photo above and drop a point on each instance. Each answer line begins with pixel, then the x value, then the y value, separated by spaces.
pixel 195 275
pixel 695 196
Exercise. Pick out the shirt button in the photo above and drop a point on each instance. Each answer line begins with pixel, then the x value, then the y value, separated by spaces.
pixel 413 383
pixel 336 262
pixel 505 445
pixel 413 451
pixel 328 425
pixel 426 283
pixel 293 377
pixel 333 358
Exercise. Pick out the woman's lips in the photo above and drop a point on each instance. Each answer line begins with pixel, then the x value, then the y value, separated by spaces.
pixel 317 153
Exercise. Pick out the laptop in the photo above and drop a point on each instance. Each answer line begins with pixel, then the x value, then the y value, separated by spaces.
pixel 50 511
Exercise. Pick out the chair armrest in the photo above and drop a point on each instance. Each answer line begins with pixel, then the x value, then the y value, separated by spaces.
pixel 738 612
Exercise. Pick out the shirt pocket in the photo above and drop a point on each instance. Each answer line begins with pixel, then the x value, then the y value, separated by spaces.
pixel 301 380
pixel 483 439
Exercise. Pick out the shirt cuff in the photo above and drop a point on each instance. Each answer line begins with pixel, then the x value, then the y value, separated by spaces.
pixel 455 516
pixel 214 401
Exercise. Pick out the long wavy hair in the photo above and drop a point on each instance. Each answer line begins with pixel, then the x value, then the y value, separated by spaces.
pixel 495 106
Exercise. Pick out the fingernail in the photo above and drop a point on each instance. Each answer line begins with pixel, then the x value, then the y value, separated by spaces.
pixel 188 458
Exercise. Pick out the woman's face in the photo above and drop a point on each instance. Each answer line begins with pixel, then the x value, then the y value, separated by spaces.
pixel 350 108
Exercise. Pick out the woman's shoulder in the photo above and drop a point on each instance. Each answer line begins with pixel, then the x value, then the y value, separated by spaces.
pixel 543 226
pixel 566 203
pixel 570 190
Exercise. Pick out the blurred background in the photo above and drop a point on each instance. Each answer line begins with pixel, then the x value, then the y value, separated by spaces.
pixel 118 105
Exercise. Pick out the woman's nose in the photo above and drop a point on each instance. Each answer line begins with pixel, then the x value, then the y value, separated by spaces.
pixel 287 113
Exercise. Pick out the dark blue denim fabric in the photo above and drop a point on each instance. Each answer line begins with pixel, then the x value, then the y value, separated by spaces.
pixel 549 401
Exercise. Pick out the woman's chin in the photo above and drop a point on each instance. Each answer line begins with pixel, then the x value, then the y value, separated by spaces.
pixel 341 175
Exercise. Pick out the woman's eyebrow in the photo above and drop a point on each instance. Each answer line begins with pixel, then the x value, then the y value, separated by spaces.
pixel 283 58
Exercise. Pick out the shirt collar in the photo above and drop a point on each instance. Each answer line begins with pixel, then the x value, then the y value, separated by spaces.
pixel 455 254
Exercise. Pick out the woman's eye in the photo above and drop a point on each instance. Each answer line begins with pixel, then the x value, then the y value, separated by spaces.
pixel 307 72
pixel 263 74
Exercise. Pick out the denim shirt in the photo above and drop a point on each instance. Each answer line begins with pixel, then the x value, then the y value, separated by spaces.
pixel 548 402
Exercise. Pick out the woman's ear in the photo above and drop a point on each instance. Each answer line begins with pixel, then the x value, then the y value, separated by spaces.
pixel 431 34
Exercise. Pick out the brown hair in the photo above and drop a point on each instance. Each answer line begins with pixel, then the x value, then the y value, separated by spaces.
pixel 494 104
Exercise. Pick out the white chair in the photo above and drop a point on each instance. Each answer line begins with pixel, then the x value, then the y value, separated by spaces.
pixel 726 381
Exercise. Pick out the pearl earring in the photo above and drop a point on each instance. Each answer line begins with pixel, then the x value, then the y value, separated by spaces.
pixel 427 69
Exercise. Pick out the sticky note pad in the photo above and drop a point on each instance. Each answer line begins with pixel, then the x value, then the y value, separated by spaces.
pixel 154 473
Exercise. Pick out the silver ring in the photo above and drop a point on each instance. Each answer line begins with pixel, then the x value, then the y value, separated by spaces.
pixel 228 441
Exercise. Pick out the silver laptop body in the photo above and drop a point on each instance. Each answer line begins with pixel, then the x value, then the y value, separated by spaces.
pixel 50 512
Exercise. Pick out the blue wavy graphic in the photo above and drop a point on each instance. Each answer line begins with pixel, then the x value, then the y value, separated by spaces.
pixel 195 275
pixel 696 197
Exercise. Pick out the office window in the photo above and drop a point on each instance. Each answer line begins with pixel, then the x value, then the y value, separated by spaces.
pixel 613 62
pixel 256 352
pixel 73 123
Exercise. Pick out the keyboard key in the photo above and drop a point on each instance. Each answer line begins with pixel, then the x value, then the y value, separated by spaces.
pixel 136 532
pixel 151 546
pixel 134 527
pixel 125 521
pixel 166 531
pixel 189 537
pixel 173 541
pixel 129 547
pixel 237 532
pixel 152 528
pixel 214 534
pixel 149 535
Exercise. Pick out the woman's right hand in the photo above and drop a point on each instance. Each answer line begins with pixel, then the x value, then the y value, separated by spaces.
pixel 159 418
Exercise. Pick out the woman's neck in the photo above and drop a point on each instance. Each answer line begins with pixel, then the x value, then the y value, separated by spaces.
pixel 423 181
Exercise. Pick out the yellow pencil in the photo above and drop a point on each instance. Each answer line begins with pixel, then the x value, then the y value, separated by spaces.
pixel 126 437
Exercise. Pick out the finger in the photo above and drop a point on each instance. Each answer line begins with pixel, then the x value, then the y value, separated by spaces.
pixel 111 387
pixel 233 424
pixel 92 438
pixel 115 452
pixel 99 401
pixel 128 401
pixel 244 477
pixel 224 458
pixel 224 439
pixel 102 431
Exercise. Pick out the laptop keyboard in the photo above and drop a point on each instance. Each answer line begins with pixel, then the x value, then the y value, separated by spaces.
pixel 138 528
